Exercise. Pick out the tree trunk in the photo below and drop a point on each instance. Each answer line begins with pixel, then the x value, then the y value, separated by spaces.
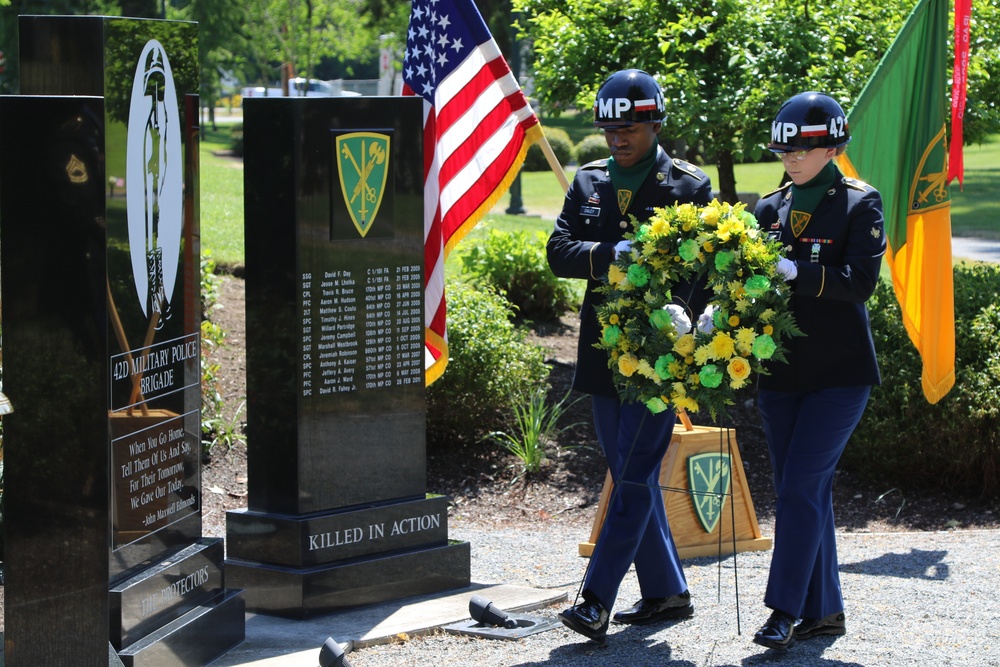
pixel 727 177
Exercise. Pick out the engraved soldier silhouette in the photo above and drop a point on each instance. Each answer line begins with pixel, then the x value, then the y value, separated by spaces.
pixel 154 162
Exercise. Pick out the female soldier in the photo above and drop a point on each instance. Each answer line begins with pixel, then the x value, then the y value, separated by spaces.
pixel 832 228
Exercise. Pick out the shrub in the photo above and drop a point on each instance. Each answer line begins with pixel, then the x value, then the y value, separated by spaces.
pixel 561 144
pixel 514 264
pixel 952 445
pixel 489 359
pixel 592 147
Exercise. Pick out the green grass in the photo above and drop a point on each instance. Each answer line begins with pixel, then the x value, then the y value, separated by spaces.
pixel 221 201
pixel 975 209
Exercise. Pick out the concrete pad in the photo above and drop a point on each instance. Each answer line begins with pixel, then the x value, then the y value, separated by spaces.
pixel 281 642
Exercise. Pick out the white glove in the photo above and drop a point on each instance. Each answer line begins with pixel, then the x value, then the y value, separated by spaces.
pixel 622 247
pixel 706 324
pixel 682 323
pixel 787 269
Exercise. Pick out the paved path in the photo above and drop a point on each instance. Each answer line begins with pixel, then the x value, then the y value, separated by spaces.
pixel 982 250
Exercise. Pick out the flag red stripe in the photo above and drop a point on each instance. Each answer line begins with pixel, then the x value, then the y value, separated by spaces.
pixel 473 198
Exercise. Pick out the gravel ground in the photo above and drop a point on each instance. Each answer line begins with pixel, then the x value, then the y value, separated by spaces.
pixel 923 599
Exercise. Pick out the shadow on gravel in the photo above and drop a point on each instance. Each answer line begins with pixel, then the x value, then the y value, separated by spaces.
pixel 918 564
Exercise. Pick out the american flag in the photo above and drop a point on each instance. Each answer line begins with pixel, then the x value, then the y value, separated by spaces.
pixel 477 128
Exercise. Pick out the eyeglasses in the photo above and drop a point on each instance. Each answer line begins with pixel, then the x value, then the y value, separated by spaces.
pixel 796 155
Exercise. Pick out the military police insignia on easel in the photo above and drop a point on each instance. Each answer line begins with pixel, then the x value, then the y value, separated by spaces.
pixel 703 481
pixel 708 480
pixel 363 160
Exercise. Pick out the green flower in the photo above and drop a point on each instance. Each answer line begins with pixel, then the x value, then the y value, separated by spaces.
pixel 660 319
pixel 612 334
pixel 757 286
pixel 662 366
pixel 763 347
pixel 724 259
pixel 642 233
pixel 689 250
pixel 638 275
pixel 711 376
pixel 656 405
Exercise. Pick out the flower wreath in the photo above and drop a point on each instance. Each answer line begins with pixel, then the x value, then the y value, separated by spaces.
pixel 657 365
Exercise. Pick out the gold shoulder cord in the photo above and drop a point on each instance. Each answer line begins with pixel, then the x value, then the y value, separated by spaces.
pixel 822 280
pixel 590 256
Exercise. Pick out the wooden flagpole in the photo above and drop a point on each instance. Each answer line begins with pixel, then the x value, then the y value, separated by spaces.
pixel 553 161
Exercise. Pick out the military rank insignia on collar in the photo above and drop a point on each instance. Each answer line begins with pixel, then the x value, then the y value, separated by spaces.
pixel 876 232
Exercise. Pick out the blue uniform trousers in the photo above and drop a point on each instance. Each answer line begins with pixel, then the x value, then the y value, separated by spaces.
pixel 806 434
pixel 635 529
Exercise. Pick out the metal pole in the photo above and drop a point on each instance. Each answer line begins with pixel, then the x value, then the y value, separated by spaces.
pixel 516 205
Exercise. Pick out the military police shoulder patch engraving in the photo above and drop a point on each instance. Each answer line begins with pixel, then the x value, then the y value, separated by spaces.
pixel 687 168
pixel 596 164
pixel 773 192
pixel 856 184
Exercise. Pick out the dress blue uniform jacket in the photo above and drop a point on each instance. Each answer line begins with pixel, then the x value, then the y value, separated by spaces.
pixel 838 256
pixel 582 245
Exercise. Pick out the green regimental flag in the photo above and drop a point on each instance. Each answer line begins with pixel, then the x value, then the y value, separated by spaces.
pixel 363 161
pixel 898 146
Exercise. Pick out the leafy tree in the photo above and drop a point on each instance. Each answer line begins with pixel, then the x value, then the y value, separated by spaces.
pixel 726 65
pixel 303 32
pixel 220 38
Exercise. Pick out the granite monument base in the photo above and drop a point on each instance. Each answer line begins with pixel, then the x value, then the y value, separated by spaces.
pixel 299 566
pixel 304 592
pixel 196 638
pixel 180 600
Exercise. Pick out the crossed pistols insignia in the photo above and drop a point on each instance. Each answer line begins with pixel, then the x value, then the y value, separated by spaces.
pixel 799 221
pixel 363 163
pixel 709 480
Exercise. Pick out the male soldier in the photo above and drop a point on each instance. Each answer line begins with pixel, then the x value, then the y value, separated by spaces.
pixel 638 177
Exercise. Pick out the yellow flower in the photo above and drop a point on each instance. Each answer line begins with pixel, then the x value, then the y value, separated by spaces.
pixel 707 245
pixel 767 315
pixel 660 227
pixel 615 275
pixel 686 403
pixel 710 215
pixel 722 346
pixel 738 368
pixel 734 320
pixel 768 329
pixel 703 354
pixel 744 340
pixel 685 345
pixel 613 319
pixel 646 371
pixel 627 364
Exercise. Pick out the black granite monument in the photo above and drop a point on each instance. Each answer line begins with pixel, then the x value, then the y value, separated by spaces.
pixel 101 301
pixel 338 514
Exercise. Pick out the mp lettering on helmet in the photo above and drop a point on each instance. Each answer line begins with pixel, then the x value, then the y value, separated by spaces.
pixel 782 133
pixel 617 107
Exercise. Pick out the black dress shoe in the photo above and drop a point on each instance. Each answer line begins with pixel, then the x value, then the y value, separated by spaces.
pixel 654 610
pixel 590 619
pixel 777 632
pixel 828 625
